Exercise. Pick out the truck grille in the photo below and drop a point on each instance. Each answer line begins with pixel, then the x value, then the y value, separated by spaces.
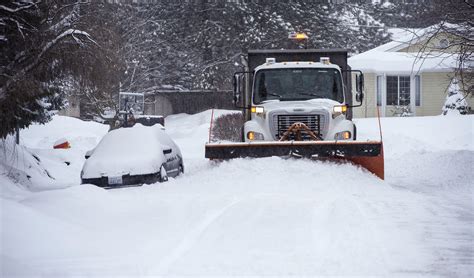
pixel 282 122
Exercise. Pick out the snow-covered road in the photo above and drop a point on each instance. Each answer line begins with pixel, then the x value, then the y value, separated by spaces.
pixel 269 216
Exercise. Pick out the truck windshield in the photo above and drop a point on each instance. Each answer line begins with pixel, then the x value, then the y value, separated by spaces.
pixel 298 84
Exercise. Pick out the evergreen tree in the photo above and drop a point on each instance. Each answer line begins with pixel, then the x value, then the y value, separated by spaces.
pixel 456 103
pixel 46 51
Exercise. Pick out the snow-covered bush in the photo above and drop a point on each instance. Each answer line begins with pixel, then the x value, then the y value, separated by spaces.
pixel 455 103
pixel 403 109
pixel 228 127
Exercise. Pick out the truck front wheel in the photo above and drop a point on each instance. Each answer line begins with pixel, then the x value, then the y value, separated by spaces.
pixel 355 133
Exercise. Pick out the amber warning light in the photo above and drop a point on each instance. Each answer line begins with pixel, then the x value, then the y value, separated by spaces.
pixel 298 36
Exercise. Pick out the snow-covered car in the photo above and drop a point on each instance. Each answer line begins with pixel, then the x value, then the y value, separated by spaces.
pixel 132 156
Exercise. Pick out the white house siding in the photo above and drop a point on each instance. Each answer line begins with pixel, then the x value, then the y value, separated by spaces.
pixel 433 95
pixel 433 92
pixel 434 44
pixel 368 108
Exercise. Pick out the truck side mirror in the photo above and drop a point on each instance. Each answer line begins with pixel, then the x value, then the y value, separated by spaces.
pixel 360 87
pixel 359 83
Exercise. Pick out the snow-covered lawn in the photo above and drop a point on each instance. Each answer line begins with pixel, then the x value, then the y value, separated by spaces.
pixel 269 216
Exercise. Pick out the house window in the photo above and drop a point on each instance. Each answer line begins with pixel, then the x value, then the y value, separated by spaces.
pixel 443 43
pixel 398 90
pixel 379 90
pixel 417 90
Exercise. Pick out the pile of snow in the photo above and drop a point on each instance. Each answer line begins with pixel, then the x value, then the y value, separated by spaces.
pixel 256 217
pixel 191 132
pixel 425 153
pixel 81 134
pixel 36 166
pixel 419 134
pixel 20 168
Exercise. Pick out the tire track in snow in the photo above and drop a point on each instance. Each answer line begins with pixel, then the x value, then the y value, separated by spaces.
pixel 96 266
pixel 372 228
pixel 190 239
pixel 333 229
pixel 316 238
pixel 451 240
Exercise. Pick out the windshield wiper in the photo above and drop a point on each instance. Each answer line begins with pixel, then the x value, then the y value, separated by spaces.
pixel 275 95
pixel 312 94
pixel 270 99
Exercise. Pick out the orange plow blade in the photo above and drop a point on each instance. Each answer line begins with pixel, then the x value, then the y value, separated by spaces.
pixel 375 164
pixel 366 154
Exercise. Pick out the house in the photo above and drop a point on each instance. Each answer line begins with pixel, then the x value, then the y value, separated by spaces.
pixel 408 75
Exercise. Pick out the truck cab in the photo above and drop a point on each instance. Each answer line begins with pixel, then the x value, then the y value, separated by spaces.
pixel 297 89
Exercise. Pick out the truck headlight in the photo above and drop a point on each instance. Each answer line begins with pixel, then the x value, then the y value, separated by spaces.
pixel 338 110
pixel 252 135
pixel 257 109
pixel 345 135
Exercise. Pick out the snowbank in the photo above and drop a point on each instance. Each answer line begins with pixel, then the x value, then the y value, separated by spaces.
pixel 256 217
pixel 81 134
pixel 36 166
pixel 420 134
pixel 20 168
pixel 191 132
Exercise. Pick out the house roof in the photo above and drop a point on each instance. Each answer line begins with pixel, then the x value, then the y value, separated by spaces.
pixel 387 58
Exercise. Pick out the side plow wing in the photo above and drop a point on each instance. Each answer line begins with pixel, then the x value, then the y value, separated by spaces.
pixel 366 154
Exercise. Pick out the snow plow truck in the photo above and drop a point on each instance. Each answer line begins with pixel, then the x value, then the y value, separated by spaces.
pixel 298 102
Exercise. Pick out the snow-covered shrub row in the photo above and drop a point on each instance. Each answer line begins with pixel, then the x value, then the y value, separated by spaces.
pixel 228 127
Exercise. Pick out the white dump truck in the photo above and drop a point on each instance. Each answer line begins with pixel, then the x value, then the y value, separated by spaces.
pixel 299 102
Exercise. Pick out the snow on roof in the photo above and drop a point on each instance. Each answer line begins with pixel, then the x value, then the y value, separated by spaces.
pixel 402 62
pixel 386 59
pixel 396 34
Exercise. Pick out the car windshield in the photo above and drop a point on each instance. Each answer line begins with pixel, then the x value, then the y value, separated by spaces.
pixel 298 84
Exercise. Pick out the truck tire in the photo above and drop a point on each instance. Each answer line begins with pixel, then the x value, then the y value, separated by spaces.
pixel 355 133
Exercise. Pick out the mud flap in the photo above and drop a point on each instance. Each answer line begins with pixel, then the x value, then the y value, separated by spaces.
pixel 366 154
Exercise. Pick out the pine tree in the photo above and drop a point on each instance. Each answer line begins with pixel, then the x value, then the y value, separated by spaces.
pixel 455 103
